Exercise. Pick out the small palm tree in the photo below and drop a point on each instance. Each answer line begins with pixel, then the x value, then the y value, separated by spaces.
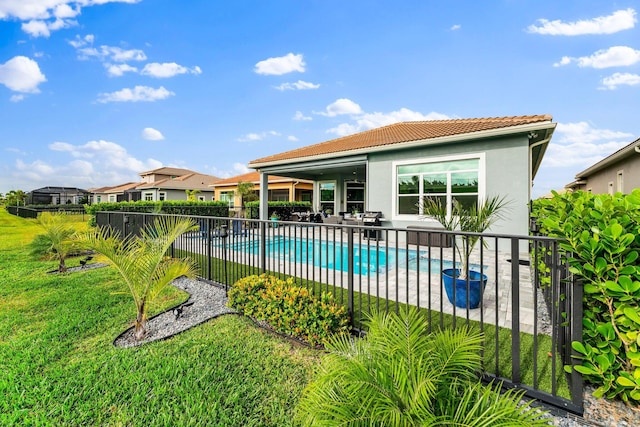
pixel 398 375
pixel 476 219
pixel 142 261
pixel 58 240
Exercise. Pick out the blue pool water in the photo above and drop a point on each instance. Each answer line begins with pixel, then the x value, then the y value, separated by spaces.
pixel 366 259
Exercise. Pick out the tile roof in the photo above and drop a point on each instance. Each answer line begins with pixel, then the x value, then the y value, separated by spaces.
pixel 167 171
pixel 403 132
pixel 192 181
pixel 252 177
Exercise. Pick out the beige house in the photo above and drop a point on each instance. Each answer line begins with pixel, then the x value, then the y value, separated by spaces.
pixel 280 188
pixel 619 172
pixel 160 184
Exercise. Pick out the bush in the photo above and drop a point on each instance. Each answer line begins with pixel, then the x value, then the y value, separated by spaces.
pixel 289 309
pixel 282 209
pixel 400 375
pixel 175 207
pixel 602 235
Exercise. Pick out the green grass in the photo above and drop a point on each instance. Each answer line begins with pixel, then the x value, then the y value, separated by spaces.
pixel 58 365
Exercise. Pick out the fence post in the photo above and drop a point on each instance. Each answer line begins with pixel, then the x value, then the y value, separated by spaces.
pixel 263 246
pixel 515 310
pixel 350 270
pixel 577 294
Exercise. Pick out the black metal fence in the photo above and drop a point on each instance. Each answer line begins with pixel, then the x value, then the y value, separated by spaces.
pixel 527 304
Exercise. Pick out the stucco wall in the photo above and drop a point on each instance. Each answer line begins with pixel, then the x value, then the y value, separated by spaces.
pixel 598 183
pixel 506 173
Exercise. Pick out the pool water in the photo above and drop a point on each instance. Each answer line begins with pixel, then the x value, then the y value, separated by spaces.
pixel 367 259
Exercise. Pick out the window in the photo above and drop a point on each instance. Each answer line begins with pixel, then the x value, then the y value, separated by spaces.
pixel 611 188
pixel 355 196
pixel 148 197
pixel 112 197
pixel 327 195
pixel 443 180
pixel 279 195
pixel 98 199
pixel 620 182
pixel 227 196
pixel 201 198
pixel 162 196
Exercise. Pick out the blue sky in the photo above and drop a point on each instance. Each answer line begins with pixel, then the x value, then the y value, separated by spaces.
pixel 92 92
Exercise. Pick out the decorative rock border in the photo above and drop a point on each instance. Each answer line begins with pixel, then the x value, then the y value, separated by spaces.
pixel 206 301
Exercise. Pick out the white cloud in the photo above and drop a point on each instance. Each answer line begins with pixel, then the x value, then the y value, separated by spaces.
pixel 281 65
pixel 292 138
pixel 167 69
pixel 580 145
pixel 617 79
pixel 21 74
pixel 94 164
pixel 117 70
pixel 112 53
pixel 152 134
pixel 618 21
pixel 299 85
pixel 43 16
pixel 341 106
pixel 16 98
pixel 364 121
pixel 236 169
pixel 616 56
pixel 137 94
pixel 300 116
pixel 258 136
pixel 455 27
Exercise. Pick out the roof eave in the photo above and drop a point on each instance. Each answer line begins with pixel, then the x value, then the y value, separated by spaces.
pixel 411 144
pixel 613 158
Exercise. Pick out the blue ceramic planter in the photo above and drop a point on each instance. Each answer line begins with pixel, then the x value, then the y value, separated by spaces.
pixel 477 281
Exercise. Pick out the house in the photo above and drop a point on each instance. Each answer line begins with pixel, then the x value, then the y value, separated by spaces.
pixel 280 188
pixel 389 169
pixel 619 172
pixel 57 196
pixel 112 194
pixel 164 183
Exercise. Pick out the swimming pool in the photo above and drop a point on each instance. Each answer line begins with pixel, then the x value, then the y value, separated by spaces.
pixel 367 259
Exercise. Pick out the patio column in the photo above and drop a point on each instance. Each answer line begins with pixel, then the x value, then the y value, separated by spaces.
pixel 264 196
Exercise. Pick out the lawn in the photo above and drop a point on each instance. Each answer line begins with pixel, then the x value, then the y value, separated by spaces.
pixel 58 365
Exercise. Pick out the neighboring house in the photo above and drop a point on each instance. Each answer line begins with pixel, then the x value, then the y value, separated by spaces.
pixel 280 188
pixel 157 185
pixel 56 196
pixel 112 194
pixel 619 172
pixel 389 169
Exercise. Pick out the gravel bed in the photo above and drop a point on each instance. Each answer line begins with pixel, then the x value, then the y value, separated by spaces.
pixel 205 302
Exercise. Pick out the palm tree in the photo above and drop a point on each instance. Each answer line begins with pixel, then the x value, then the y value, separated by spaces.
pixel 142 261
pixel 476 218
pixel 191 194
pixel 58 239
pixel 398 375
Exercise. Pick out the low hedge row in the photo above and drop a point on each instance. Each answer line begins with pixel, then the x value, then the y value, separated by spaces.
pixel 289 309
pixel 175 207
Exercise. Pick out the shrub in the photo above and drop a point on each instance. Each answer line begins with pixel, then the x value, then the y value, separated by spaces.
pixel 58 241
pixel 176 207
pixel 399 375
pixel 602 235
pixel 282 209
pixel 289 309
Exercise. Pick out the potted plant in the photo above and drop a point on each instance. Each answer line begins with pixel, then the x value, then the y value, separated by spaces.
pixel 476 219
pixel 275 217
